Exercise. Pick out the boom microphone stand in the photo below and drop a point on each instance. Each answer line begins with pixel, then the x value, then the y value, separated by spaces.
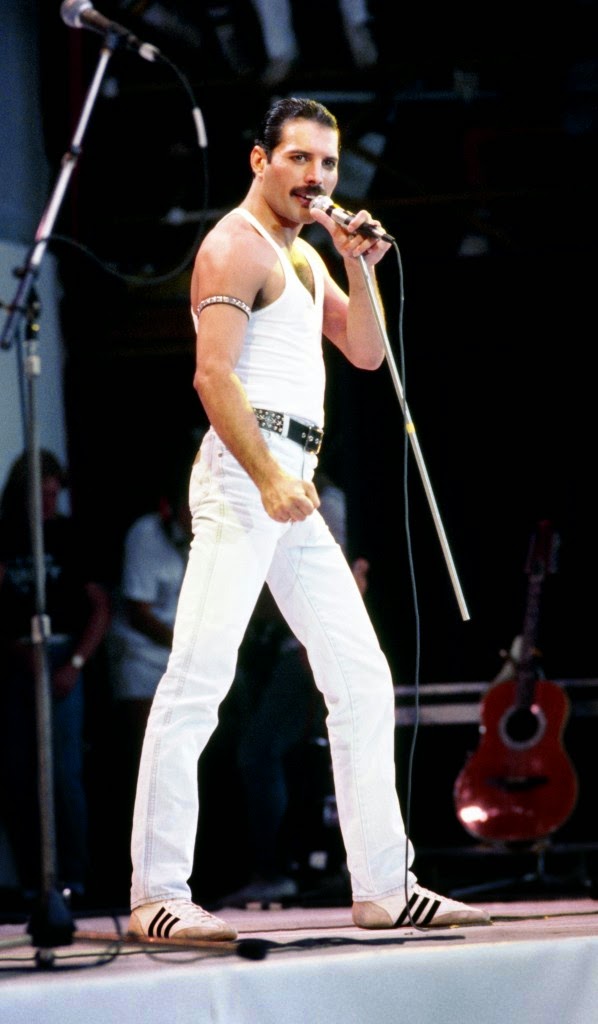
pixel 51 923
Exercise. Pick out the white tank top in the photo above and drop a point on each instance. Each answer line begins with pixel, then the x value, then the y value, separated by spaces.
pixel 281 365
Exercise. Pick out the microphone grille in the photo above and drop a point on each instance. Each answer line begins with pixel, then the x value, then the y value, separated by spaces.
pixel 321 203
pixel 71 9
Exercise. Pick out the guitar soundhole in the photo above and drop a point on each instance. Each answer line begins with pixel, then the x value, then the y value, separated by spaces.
pixel 522 727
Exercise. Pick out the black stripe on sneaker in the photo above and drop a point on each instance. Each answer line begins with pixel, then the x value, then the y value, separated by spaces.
pixel 429 913
pixel 165 931
pixel 405 915
pixel 161 925
pixel 423 913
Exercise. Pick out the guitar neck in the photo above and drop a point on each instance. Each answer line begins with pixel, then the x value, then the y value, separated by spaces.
pixel 527 673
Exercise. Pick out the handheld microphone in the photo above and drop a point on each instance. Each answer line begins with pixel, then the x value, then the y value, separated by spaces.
pixel 343 217
pixel 81 14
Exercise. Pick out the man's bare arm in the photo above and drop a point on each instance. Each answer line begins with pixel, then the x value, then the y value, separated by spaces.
pixel 349 320
pixel 239 270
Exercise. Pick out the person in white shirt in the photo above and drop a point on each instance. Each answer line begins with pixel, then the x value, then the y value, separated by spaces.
pixel 154 557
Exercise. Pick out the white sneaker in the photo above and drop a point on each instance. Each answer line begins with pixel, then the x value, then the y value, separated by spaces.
pixel 424 908
pixel 179 919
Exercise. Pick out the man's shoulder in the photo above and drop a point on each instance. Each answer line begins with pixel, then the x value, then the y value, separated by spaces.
pixel 234 258
pixel 234 225
pixel 233 238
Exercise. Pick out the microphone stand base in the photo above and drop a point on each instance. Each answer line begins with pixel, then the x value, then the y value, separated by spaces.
pixel 51 923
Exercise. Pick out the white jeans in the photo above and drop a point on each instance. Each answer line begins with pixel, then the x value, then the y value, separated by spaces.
pixel 236 547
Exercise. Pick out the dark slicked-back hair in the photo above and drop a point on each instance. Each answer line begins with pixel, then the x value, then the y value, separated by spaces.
pixel 291 109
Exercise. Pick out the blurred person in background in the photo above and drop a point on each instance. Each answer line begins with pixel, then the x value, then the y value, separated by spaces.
pixel 155 552
pixel 78 607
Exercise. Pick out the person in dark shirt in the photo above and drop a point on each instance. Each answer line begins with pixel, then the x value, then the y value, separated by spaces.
pixel 78 610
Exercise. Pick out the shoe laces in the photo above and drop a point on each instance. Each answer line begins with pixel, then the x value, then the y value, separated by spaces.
pixel 188 910
pixel 421 891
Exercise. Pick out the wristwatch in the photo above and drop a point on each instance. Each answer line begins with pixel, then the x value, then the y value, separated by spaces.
pixel 77 661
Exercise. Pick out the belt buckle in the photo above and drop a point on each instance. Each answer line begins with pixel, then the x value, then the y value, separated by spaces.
pixel 313 441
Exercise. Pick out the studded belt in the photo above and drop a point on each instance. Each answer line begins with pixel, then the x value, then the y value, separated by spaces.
pixel 310 438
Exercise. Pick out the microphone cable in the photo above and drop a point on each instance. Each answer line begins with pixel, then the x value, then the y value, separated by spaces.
pixel 188 257
pixel 412 578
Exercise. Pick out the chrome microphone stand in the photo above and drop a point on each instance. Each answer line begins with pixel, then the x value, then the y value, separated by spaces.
pixel 413 440
pixel 51 922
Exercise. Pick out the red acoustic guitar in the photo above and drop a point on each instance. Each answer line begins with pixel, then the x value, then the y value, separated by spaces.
pixel 520 786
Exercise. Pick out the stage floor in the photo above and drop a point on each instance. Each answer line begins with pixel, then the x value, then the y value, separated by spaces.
pixel 537 962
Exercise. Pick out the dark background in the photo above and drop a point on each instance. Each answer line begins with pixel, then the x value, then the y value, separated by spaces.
pixel 497 345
